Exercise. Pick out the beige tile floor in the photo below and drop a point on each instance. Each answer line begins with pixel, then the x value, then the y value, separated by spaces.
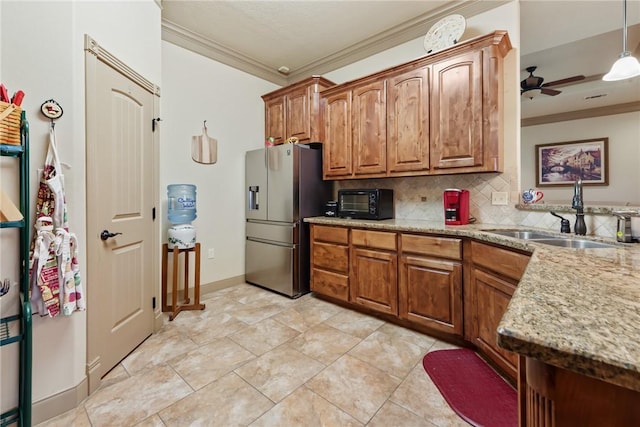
pixel 255 358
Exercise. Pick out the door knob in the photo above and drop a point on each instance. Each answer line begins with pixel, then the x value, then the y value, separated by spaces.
pixel 106 234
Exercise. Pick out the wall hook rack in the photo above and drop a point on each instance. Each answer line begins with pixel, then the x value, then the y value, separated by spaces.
pixel 154 122
pixel 52 110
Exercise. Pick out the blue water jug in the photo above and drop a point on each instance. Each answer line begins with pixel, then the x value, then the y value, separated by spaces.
pixel 182 203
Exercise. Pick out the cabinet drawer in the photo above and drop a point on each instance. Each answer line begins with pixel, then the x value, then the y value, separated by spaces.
pixel 503 261
pixel 434 246
pixel 374 239
pixel 322 233
pixel 330 256
pixel 330 284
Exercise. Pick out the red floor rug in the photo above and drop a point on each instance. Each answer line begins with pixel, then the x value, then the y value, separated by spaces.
pixel 472 389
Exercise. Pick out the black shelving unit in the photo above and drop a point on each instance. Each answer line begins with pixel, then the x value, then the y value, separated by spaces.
pixel 21 414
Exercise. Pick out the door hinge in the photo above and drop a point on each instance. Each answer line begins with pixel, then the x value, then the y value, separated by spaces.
pixel 154 123
pixel 153 303
pixel 153 214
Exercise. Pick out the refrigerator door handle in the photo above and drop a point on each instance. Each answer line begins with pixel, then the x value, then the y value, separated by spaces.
pixel 254 197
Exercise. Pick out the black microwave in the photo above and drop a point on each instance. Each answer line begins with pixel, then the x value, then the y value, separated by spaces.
pixel 369 203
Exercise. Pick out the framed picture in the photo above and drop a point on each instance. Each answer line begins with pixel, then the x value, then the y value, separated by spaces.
pixel 561 163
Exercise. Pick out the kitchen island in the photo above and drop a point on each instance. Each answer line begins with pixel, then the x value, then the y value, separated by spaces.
pixel 577 310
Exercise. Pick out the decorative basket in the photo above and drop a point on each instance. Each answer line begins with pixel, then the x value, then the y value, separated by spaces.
pixel 9 123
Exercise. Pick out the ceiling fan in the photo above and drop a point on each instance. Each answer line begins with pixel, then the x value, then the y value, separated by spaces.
pixel 532 85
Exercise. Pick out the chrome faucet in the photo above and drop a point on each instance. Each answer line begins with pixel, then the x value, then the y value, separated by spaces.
pixel 577 203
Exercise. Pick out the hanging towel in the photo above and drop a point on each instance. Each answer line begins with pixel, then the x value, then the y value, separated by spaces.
pixel 54 252
pixel 45 281
pixel 69 272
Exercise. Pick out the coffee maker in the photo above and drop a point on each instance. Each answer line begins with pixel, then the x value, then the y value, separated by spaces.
pixel 456 206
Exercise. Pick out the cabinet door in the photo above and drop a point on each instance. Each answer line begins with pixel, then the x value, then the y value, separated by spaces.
pixel 374 280
pixel 408 121
pixel 337 135
pixel 491 295
pixel 430 293
pixel 456 112
pixel 369 128
pixel 299 113
pixel 274 120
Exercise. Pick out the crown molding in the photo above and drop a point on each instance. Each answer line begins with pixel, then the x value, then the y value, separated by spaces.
pixel 187 39
pixel 395 36
pixel 582 114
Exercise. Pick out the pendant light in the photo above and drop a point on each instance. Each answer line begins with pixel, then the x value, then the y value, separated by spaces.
pixel 626 66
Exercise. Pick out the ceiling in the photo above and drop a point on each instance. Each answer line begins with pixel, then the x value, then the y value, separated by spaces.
pixel 562 38
pixel 306 36
pixel 586 40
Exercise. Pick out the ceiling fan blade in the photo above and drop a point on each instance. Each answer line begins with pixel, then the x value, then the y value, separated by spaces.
pixel 551 92
pixel 564 81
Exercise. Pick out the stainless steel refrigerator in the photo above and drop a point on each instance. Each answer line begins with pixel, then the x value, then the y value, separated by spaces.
pixel 283 186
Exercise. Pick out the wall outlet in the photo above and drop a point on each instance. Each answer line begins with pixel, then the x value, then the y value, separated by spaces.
pixel 499 198
pixel 211 253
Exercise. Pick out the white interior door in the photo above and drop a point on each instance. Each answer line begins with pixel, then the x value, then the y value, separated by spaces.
pixel 120 189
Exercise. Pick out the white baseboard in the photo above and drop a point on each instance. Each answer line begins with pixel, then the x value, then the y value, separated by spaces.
pixel 60 403
pixel 221 284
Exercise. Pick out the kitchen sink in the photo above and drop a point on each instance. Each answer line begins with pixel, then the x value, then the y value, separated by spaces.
pixel 574 243
pixel 522 234
pixel 551 239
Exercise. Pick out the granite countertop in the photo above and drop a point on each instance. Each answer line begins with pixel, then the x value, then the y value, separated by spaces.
pixel 577 309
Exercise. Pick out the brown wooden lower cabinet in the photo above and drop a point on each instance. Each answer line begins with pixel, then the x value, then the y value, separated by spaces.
pixel 492 295
pixel 420 279
pixel 493 277
pixel 374 269
pixel 430 285
pixel 557 397
pixel 330 261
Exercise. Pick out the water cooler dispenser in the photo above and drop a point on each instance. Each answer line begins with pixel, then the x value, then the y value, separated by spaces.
pixel 182 212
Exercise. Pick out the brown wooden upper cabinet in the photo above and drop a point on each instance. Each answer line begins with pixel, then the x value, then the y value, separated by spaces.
pixel 457 112
pixel 336 119
pixel 354 119
pixel 293 111
pixel 369 128
pixel 408 122
pixel 440 114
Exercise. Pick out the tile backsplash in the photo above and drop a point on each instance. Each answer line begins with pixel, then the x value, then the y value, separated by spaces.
pixel 421 198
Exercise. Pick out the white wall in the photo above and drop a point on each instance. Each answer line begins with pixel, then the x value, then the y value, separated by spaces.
pixel 195 89
pixel 42 50
pixel 623 131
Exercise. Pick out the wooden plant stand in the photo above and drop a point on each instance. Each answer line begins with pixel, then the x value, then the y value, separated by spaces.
pixel 176 308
